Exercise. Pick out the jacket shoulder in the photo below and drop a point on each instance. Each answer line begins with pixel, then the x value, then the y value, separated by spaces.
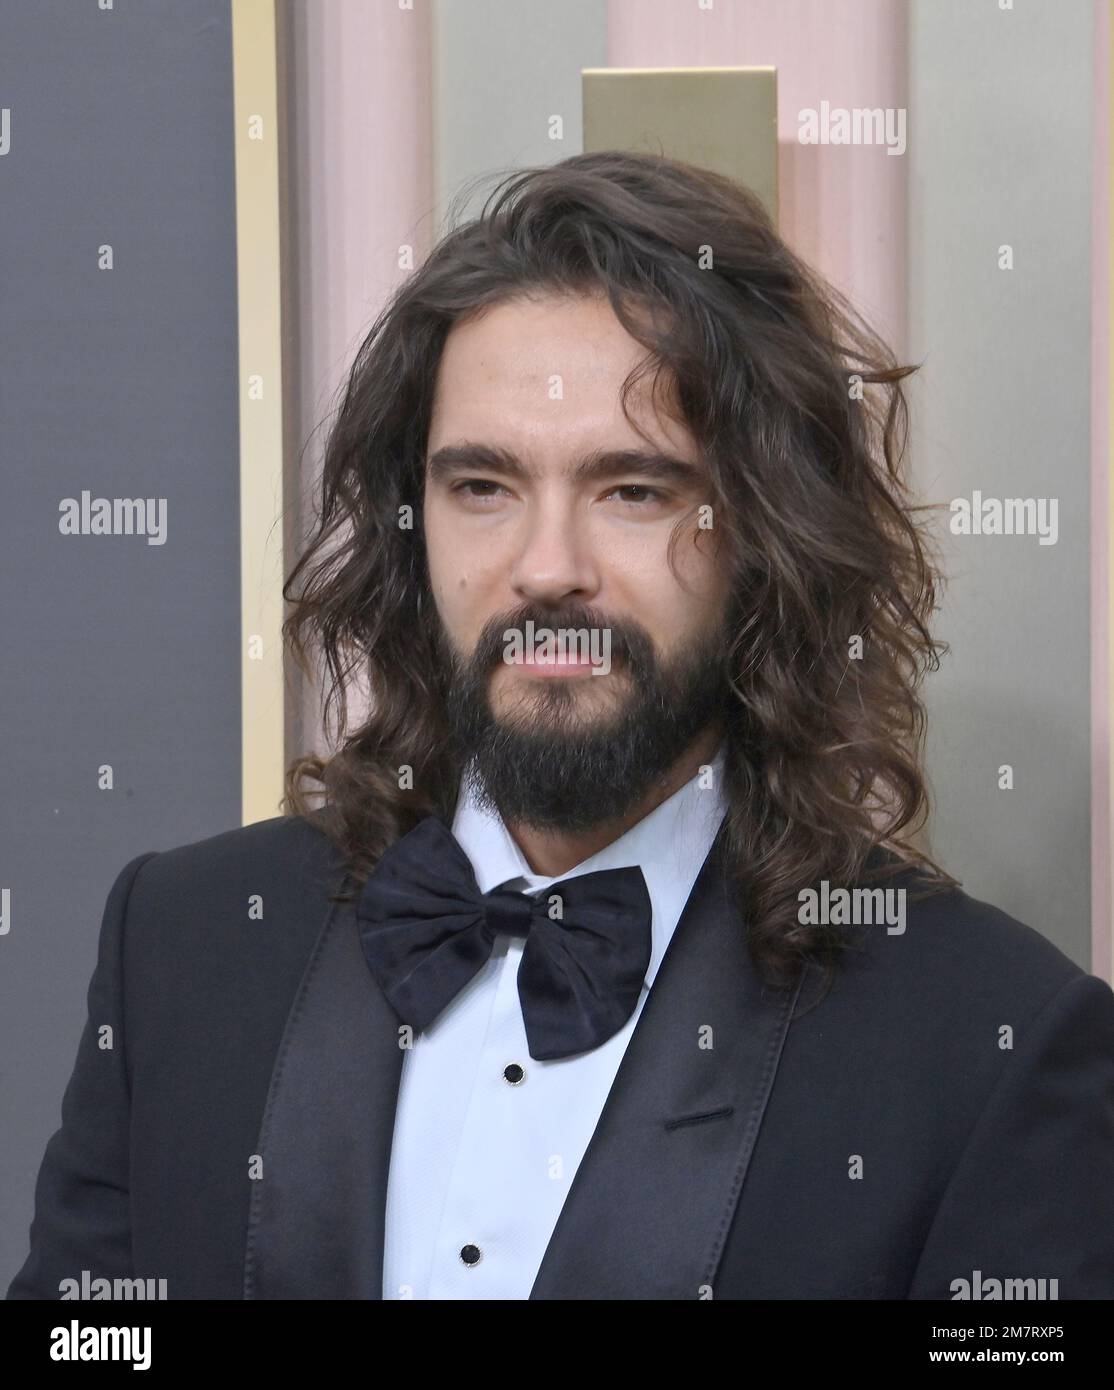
pixel 977 946
pixel 239 910
pixel 941 963
pixel 284 853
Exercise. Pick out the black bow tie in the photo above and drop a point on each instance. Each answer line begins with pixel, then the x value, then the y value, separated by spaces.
pixel 426 929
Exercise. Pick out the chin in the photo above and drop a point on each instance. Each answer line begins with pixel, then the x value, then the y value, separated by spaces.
pixel 539 697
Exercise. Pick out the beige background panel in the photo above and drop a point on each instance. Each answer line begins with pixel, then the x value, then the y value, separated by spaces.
pixel 723 119
pixel 259 296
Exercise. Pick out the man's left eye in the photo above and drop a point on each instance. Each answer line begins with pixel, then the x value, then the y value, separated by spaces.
pixel 644 493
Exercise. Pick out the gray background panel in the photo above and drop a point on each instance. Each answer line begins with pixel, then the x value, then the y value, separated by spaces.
pixel 1000 152
pixel 123 383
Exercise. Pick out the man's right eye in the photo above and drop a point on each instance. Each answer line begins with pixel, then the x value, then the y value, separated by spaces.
pixel 474 487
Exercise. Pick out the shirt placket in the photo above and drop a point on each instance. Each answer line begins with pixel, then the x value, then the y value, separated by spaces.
pixel 477 1254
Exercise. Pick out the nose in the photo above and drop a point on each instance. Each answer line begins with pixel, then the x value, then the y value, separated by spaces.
pixel 555 562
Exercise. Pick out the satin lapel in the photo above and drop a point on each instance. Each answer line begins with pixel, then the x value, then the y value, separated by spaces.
pixel 651 1203
pixel 315 1228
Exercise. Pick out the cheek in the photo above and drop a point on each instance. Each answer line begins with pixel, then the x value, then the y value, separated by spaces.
pixel 447 559
pixel 670 596
pixel 457 578
pixel 444 575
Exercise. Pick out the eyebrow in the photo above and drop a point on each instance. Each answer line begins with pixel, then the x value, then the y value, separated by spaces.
pixel 593 467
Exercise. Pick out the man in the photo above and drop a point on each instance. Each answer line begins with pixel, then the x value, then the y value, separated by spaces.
pixel 603 971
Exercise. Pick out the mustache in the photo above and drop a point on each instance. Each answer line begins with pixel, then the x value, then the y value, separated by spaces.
pixel 630 642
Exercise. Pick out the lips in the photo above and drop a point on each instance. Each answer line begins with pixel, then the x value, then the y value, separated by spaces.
pixel 557 666
pixel 559 659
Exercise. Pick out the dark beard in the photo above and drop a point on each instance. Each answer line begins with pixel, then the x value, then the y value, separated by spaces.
pixel 544 766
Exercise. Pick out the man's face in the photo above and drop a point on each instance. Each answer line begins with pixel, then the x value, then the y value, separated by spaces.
pixel 542 501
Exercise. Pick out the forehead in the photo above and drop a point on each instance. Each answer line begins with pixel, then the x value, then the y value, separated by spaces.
pixel 544 368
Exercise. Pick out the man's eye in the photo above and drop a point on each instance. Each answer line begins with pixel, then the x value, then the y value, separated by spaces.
pixel 476 487
pixel 638 493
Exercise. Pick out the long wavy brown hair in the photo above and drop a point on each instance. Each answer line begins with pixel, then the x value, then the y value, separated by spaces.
pixel 798 410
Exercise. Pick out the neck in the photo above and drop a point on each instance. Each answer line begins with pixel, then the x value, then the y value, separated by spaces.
pixel 553 852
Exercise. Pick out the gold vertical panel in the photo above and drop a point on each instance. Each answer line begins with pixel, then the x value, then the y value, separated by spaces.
pixel 258 282
pixel 724 119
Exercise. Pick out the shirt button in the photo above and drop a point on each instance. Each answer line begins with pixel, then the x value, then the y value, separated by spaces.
pixel 513 1073
pixel 471 1254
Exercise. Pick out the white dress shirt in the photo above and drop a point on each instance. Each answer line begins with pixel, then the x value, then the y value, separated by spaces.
pixel 480 1159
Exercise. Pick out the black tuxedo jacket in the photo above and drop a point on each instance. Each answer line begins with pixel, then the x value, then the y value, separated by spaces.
pixel 235 1139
